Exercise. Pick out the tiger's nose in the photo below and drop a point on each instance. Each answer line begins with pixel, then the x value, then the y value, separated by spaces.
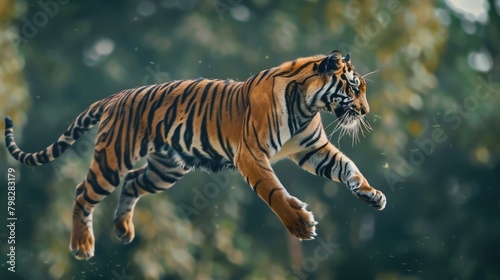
pixel 365 110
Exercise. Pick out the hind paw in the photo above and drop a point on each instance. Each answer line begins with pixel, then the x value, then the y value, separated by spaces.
pixel 82 243
pixel 124 228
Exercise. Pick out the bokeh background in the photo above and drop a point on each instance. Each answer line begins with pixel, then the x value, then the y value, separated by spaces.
pixel 434 149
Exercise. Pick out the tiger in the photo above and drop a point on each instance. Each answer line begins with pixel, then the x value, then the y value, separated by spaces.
pixel 215 125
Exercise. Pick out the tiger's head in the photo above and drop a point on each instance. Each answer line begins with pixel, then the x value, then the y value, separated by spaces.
pixel 336 87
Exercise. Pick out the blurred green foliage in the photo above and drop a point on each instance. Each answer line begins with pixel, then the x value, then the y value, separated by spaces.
pixel 434 150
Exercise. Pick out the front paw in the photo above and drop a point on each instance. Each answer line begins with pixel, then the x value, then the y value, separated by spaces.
pixel 375 198
pixel 372 196
pixel 360 188
pixel 298 221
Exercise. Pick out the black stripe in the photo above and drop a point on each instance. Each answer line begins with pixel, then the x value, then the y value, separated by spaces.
pixel 271 194
pixel 23 157
pixel 108 173
pixel 145 141
pixel 8 123
pixel 203 97
pixel 30 159
pixel 188 132
pixel 229 99
pixel 338 87
pixel 263 74
pixel 220 137
pixel 324 98
pixel 257 140
pixel 87 198
pixel 284 74
pixel 192 101
pixel 320 166
pixel 42 156
pixel 151 185
pixel 159 141
pixel 345 167
pixel 125 129
pixel 340 170
pixel 215 94
pixel 271 138
pixel 256 185
pixel 308 155
pixel 85 213
pixel 314 139
pixel 188 89
pixel 134 187
pixel 170 115
pixel 176 139
pixel 290 97
pixel 145 186
pixel 118 131
pixel 250 81
pixel 276 120
pixel 92 180
pixel 230 149
pixel 205 141
pixel 327 170
pixel 162 175
pixel 126 194
pixel 255 158
pixel 309 137
pixel 58 148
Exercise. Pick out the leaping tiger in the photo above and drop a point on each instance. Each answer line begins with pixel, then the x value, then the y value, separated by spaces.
pixel 214 125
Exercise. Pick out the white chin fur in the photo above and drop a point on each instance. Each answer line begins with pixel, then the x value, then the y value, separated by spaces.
pixel 351 124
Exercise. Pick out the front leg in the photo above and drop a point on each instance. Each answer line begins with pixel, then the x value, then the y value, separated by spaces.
pixel 324 159
pixel 257 171
pixel 252 160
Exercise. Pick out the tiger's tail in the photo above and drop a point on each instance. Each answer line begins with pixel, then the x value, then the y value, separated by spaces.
pixel 84 122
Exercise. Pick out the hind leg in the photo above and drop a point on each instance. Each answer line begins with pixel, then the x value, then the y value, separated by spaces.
pixel 102 179
pixel 159 174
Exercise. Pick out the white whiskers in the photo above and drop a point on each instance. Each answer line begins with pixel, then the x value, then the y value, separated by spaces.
pixel 369 73
pixel 350 124
pixel 339 125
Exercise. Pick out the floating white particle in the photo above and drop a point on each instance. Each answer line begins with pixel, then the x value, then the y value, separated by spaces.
pixel 416 102
pixel 240 13
pixel 480 61
pixel 104 47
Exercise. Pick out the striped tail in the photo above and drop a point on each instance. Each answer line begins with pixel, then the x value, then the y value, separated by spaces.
pixel 84 122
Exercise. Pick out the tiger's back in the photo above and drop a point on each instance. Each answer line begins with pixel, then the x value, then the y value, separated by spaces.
pixel 195 121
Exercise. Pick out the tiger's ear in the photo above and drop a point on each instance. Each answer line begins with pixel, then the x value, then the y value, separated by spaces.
pixel 347 58
pixel 332 62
